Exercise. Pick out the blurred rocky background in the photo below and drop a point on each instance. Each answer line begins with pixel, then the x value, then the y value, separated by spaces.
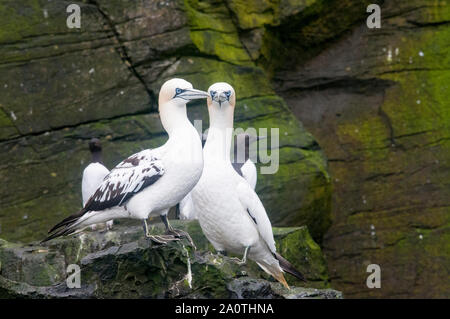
pixel 363 117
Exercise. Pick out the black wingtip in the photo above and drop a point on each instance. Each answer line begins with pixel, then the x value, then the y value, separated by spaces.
pixel 69 220
pixel 289 268
pixel 59 233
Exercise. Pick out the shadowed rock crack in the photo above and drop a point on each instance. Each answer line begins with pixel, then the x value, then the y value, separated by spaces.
pixel 122 50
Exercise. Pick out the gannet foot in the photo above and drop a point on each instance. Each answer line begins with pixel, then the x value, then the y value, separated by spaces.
pixel 179 234
pixel 176 232
pixel 242 261
pixel 161 239
pixel 238 261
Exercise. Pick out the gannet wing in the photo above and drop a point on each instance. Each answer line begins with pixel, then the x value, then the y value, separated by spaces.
pixel 255 209
pixel 129 177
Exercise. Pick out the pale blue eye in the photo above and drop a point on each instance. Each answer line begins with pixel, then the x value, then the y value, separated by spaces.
pixel 212 93
pixel 228 94
pixel 178 91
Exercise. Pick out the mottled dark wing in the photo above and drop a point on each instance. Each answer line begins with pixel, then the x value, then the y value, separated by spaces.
pixel 131 176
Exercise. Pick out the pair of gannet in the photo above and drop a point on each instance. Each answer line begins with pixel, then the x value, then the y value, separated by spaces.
pixel 244 167
pixel 152 181
pixel 93 176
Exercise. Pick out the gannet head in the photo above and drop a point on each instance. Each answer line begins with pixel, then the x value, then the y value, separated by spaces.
pixel 179 92
pixel 221 95
pixel 95 145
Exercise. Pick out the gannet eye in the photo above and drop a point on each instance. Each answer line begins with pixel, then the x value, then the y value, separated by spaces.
pixel 212 93
pixel 178 91
pixel 228 94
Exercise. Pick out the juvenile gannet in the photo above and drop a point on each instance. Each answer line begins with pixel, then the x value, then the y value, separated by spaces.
pixel 153 180
pixel 93 176
pixel 246 168
pixel 229 211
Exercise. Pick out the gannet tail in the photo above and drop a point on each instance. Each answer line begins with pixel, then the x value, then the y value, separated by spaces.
pixel 289 268
pixel 59 233
pixel 275 271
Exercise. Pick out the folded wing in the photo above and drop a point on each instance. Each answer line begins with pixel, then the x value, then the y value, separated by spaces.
pixel 255 209
pixel 129 177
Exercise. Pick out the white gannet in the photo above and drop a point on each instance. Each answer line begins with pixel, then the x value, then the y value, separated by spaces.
pixel 229 211
pixel 246 168
pixel 153 180
pixel 93 176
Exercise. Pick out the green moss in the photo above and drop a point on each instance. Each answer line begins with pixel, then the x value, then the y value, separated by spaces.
pixel 213 32
pixel 226 46
pixel 254 13
pixel 202 72
pixel 7 128
pixel 15 25
pixel 298 247
pixel 297 195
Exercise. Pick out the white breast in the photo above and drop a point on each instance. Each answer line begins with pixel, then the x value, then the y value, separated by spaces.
pixel 182 158
pixel 221 215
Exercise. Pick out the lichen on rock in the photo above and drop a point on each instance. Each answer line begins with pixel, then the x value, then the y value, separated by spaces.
pixel 123 264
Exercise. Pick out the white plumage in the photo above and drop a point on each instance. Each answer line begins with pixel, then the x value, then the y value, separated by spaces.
pixel 229 211
pixel 153 180
pixel 247 170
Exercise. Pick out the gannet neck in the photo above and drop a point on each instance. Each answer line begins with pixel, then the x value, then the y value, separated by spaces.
pixel 220 133
pixel 220 118
pixel 173 117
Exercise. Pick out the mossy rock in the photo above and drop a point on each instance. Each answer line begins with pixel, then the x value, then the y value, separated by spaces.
pixel 122 264
pixel 61 86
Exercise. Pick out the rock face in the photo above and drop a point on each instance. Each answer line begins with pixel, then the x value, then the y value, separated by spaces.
pixel 378 103
pixel 59 87
pixel 122 264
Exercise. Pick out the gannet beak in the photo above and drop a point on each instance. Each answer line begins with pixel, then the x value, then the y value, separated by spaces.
pixel 193 94
pixel 219 97
pixel 222 97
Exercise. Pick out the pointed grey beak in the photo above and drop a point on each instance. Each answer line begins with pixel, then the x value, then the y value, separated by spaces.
pixel 219 97
pixel 222 97
pixel 193 94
